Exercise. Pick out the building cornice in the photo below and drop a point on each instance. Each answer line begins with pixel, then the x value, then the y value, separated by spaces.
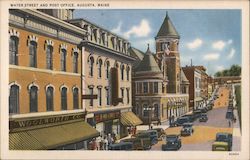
pixel 87 43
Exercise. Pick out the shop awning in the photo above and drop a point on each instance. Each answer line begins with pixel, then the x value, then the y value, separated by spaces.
pixel 51 137
pixel 198 99
pixel 130 119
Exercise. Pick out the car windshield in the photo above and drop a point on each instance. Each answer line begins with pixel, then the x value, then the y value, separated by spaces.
pixel 171 138
pixel 221 137
pixel 187 125
pixel 183 119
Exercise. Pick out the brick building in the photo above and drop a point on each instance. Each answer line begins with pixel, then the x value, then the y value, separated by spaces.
pixel 45 68
pixel 160 87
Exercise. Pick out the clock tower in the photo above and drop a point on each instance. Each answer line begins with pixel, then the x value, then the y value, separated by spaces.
pixel 167 54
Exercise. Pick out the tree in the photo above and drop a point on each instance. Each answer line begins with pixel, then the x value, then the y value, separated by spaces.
pixel 235 70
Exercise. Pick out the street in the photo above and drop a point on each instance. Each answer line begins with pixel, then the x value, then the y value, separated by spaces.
pixel 205 132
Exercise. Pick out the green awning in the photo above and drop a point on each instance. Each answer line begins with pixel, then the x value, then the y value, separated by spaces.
pixel 130 119
pixel 198 99
pixel 51 137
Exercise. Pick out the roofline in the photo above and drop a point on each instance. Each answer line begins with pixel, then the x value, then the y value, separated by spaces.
pixel 52 20
pixel 82 19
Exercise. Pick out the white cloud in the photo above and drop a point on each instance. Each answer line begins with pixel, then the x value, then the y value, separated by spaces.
pixel 230 41
pixel 118 28
pixel 141 30
pixel 195 44
pixel 231 54
pixel 142 44
pixel 219 68
pixel 211 56
pixel 219 45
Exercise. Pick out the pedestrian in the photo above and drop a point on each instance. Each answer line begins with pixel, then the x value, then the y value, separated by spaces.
pixel 101 143
pixel 170 122
pixel 105 143
pixel 229 123
pixel 94 144
pixel 110 139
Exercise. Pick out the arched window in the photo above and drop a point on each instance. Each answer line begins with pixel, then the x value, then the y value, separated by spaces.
pixel 75 98
pixel 50 99
pixel 107 69
pixel 49 57
pixel 64 98
pixel 122 72
pixel 99 68
pixel 63 59
pixel 33 99
pixel 75 62
pixel 91 92
pixel 91 66
pixel 14 99
pixel 128 72
pixel 156 110
pixel 33 53
pixel 13 50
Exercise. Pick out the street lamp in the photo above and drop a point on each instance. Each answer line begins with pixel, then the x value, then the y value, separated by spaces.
pixel 149 109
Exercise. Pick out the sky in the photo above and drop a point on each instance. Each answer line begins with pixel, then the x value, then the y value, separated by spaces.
pixel 211 38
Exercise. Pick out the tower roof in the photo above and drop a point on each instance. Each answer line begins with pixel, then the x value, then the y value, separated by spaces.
pixel 167 29
pixel 148 63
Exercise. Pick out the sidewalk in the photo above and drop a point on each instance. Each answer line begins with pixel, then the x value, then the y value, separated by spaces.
pixel 236 130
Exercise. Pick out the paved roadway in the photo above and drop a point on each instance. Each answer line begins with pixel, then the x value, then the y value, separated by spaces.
pixel 216 120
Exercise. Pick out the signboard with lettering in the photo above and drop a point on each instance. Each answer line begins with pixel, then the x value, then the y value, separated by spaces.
pixel 20 124
pixel 107 116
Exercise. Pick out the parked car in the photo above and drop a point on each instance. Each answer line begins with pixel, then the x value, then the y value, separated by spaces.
pixel 203 118
pixel 173 142
pixel 191 117
pixel 229 114
pixel 152 134
pixel 180 121
pixel 226 139
pixel 161 133
pixel 139 143
pixel 204 110
pixel 125 146
pixel 187 129
pixel 197 113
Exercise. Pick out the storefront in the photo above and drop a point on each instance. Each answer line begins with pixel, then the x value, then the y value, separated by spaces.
pixel 128 121
pixel 55 132
pixel 107 122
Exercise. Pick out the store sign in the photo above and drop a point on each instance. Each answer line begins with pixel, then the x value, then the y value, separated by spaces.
pixel 107 116
pixel 37 122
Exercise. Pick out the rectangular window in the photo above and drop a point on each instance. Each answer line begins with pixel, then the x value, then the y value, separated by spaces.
pixel 107 97
pixel 145 87
pixel 75 62
pixel 49 59
pixel 33 54
pixel 91 92
pixel 99 96
pixel 13 50
pixel 155 87
pixel 128 96
pixel 122 94
pixel 63 60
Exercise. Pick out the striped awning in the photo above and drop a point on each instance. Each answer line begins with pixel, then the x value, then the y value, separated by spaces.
pixel 51 137
pixel 130 119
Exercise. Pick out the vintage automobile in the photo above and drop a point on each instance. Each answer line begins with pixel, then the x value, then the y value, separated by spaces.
pixel 173 142
pixel 203 118
pixel 125 146
pixel 197 113
pixel 152 134
pixel 180 121
pixel 220 146
pixel 161 133
pixel 187 129
pixel 142 143
pixel 190 116
pixel 223 137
